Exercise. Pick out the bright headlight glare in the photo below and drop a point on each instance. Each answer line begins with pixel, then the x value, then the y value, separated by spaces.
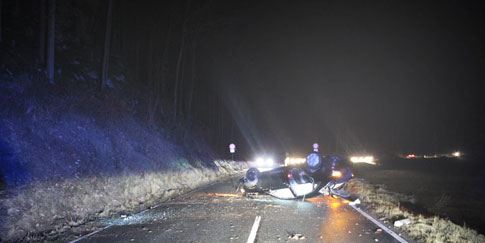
pixel 295 160
pixel 259 160
pixel 363 159
pixel 269 161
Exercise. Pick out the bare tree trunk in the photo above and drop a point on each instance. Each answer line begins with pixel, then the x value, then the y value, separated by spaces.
pixel 42 31
pixel 51 41
pixel 221 123
pixel 137 57
pixel 192 82
pixel 1 36
pixel 214 116
pixel 179 62
pixel 164 65
pixel 160 79
pixel 107 46
pixel 181 88
pixel 177 74
pixel 177 77
pixel 232 128
pixel 154 81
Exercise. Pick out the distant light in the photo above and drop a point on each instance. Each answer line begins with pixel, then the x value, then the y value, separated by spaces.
pixel 363 159
pixel 264 162
pixel 433 156
pixel 456 154
pixel 294 161
pixel 410 156
pixel 336 173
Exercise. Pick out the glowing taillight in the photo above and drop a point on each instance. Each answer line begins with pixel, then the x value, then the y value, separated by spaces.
pixel 336 173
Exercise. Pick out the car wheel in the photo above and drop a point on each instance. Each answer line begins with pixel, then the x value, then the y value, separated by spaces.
pixel 252 177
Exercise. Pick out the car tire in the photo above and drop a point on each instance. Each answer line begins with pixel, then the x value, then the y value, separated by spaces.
pixel 252 177
pixel 314 162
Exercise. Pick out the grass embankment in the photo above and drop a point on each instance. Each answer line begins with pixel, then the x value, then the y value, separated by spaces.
pixel 46 210
pixel 70 159
pixel 389 206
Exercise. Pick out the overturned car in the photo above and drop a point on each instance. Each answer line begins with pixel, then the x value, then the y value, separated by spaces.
pixel 319 175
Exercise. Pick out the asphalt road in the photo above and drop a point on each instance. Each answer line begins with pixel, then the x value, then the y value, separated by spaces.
pixel 217 214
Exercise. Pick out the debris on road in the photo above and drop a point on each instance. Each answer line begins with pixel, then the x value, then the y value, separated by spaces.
pixel 399 223
pixel 296 236
pixel 355 202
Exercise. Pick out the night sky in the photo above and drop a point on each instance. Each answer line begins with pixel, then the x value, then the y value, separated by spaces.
pixel 357 77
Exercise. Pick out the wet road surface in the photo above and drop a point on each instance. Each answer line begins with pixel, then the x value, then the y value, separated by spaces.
pixel 217 214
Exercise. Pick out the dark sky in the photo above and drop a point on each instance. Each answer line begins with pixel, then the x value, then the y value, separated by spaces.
pixel 363 76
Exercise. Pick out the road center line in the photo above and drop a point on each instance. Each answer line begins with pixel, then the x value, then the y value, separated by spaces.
pixel 392 233
pixel 254 230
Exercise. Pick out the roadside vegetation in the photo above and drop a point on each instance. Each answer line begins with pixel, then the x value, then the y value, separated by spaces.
pixel 68 160
pixel 107 128
pixel 389 206
pixel 47 210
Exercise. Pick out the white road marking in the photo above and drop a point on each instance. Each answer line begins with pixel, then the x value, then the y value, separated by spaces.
pixel 92 233
pixel 254 230
pixel 392 233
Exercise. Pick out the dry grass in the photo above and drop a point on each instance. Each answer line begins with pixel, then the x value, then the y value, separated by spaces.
pixel 385 204
pixel 52 208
